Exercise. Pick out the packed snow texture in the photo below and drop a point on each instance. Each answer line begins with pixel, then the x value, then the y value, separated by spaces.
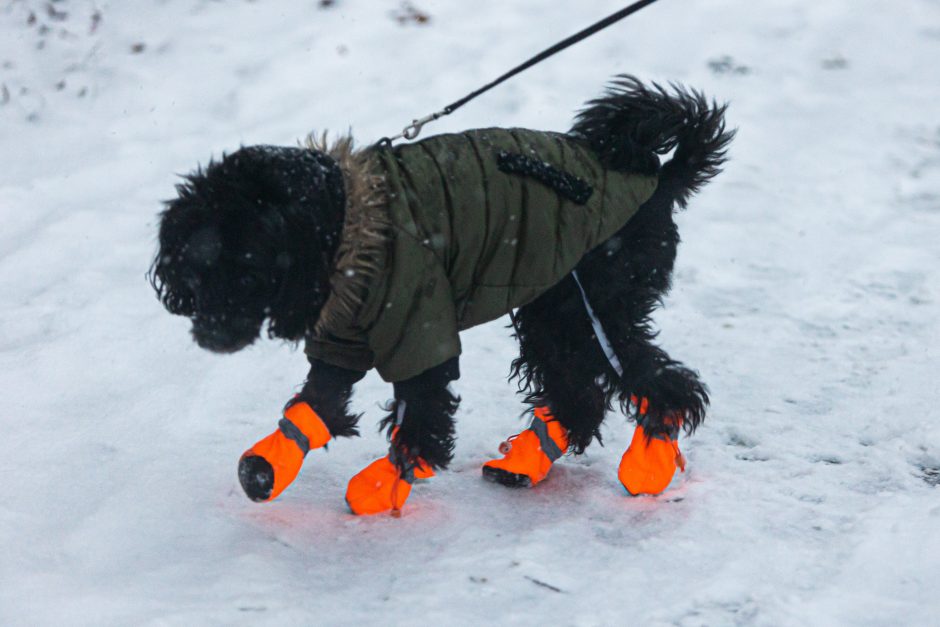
pixel 807 294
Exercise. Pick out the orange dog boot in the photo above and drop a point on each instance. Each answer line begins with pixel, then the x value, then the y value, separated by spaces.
pixel 649 463
pixel 269 466
pixel 382 487
pixel 528 456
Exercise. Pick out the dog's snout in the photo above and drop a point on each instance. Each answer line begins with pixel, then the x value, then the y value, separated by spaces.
pixel 220 334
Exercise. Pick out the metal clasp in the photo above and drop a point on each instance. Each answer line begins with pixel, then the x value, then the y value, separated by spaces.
pixel 414 129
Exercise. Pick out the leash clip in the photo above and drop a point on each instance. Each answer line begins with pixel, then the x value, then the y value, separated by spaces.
pixel 414 129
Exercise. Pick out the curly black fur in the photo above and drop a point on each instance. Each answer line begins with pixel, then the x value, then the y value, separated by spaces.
pixel 250 238
pixel 328 390
pixel 631 124
pixel 560 363
pixel 426 429
pixel 638 263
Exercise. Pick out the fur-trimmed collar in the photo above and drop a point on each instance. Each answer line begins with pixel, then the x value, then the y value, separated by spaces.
pixel 363 248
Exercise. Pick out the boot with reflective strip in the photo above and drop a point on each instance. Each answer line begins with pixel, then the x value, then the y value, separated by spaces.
pixel 269 466
pixel 382 487
pixel 649 464
pixel 529 455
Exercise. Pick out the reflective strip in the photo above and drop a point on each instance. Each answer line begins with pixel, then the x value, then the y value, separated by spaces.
pixel 409 468
pixel 599 330
pixel 292 432
pixel 672 432
pixel 548 445
pixel 309 423
pixel 408 473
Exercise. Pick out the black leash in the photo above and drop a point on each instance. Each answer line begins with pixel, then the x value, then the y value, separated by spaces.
pixel 412 130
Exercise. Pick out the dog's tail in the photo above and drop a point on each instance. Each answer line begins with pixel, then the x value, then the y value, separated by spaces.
pixel 631 124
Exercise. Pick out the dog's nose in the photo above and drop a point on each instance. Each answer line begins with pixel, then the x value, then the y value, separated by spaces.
pixel 219 340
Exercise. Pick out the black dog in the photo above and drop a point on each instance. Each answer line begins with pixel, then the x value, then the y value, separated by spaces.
pixel 305 238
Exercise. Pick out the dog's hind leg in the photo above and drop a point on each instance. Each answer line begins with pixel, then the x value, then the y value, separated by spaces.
pixel 625 280
pixel 565 377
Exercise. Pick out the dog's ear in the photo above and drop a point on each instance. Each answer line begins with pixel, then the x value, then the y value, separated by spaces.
pixel 297 202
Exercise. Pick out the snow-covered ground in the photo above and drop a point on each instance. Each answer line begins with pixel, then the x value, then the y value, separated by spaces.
pixel 807 294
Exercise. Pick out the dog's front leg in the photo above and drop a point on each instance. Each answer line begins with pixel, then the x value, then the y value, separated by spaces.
pixel 421 439
pixel 317 414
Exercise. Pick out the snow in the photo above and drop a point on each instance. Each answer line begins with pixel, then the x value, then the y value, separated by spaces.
pixel 807 294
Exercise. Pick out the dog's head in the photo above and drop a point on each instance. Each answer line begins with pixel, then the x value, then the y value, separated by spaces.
pixel 250 238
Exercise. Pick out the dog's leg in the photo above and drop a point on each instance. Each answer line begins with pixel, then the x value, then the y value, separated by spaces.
pixel 328 390
pixel 317 414
pixel 422 419
pixel 625 280
pixel 561 365
pixel 421 434
pixel 565 376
